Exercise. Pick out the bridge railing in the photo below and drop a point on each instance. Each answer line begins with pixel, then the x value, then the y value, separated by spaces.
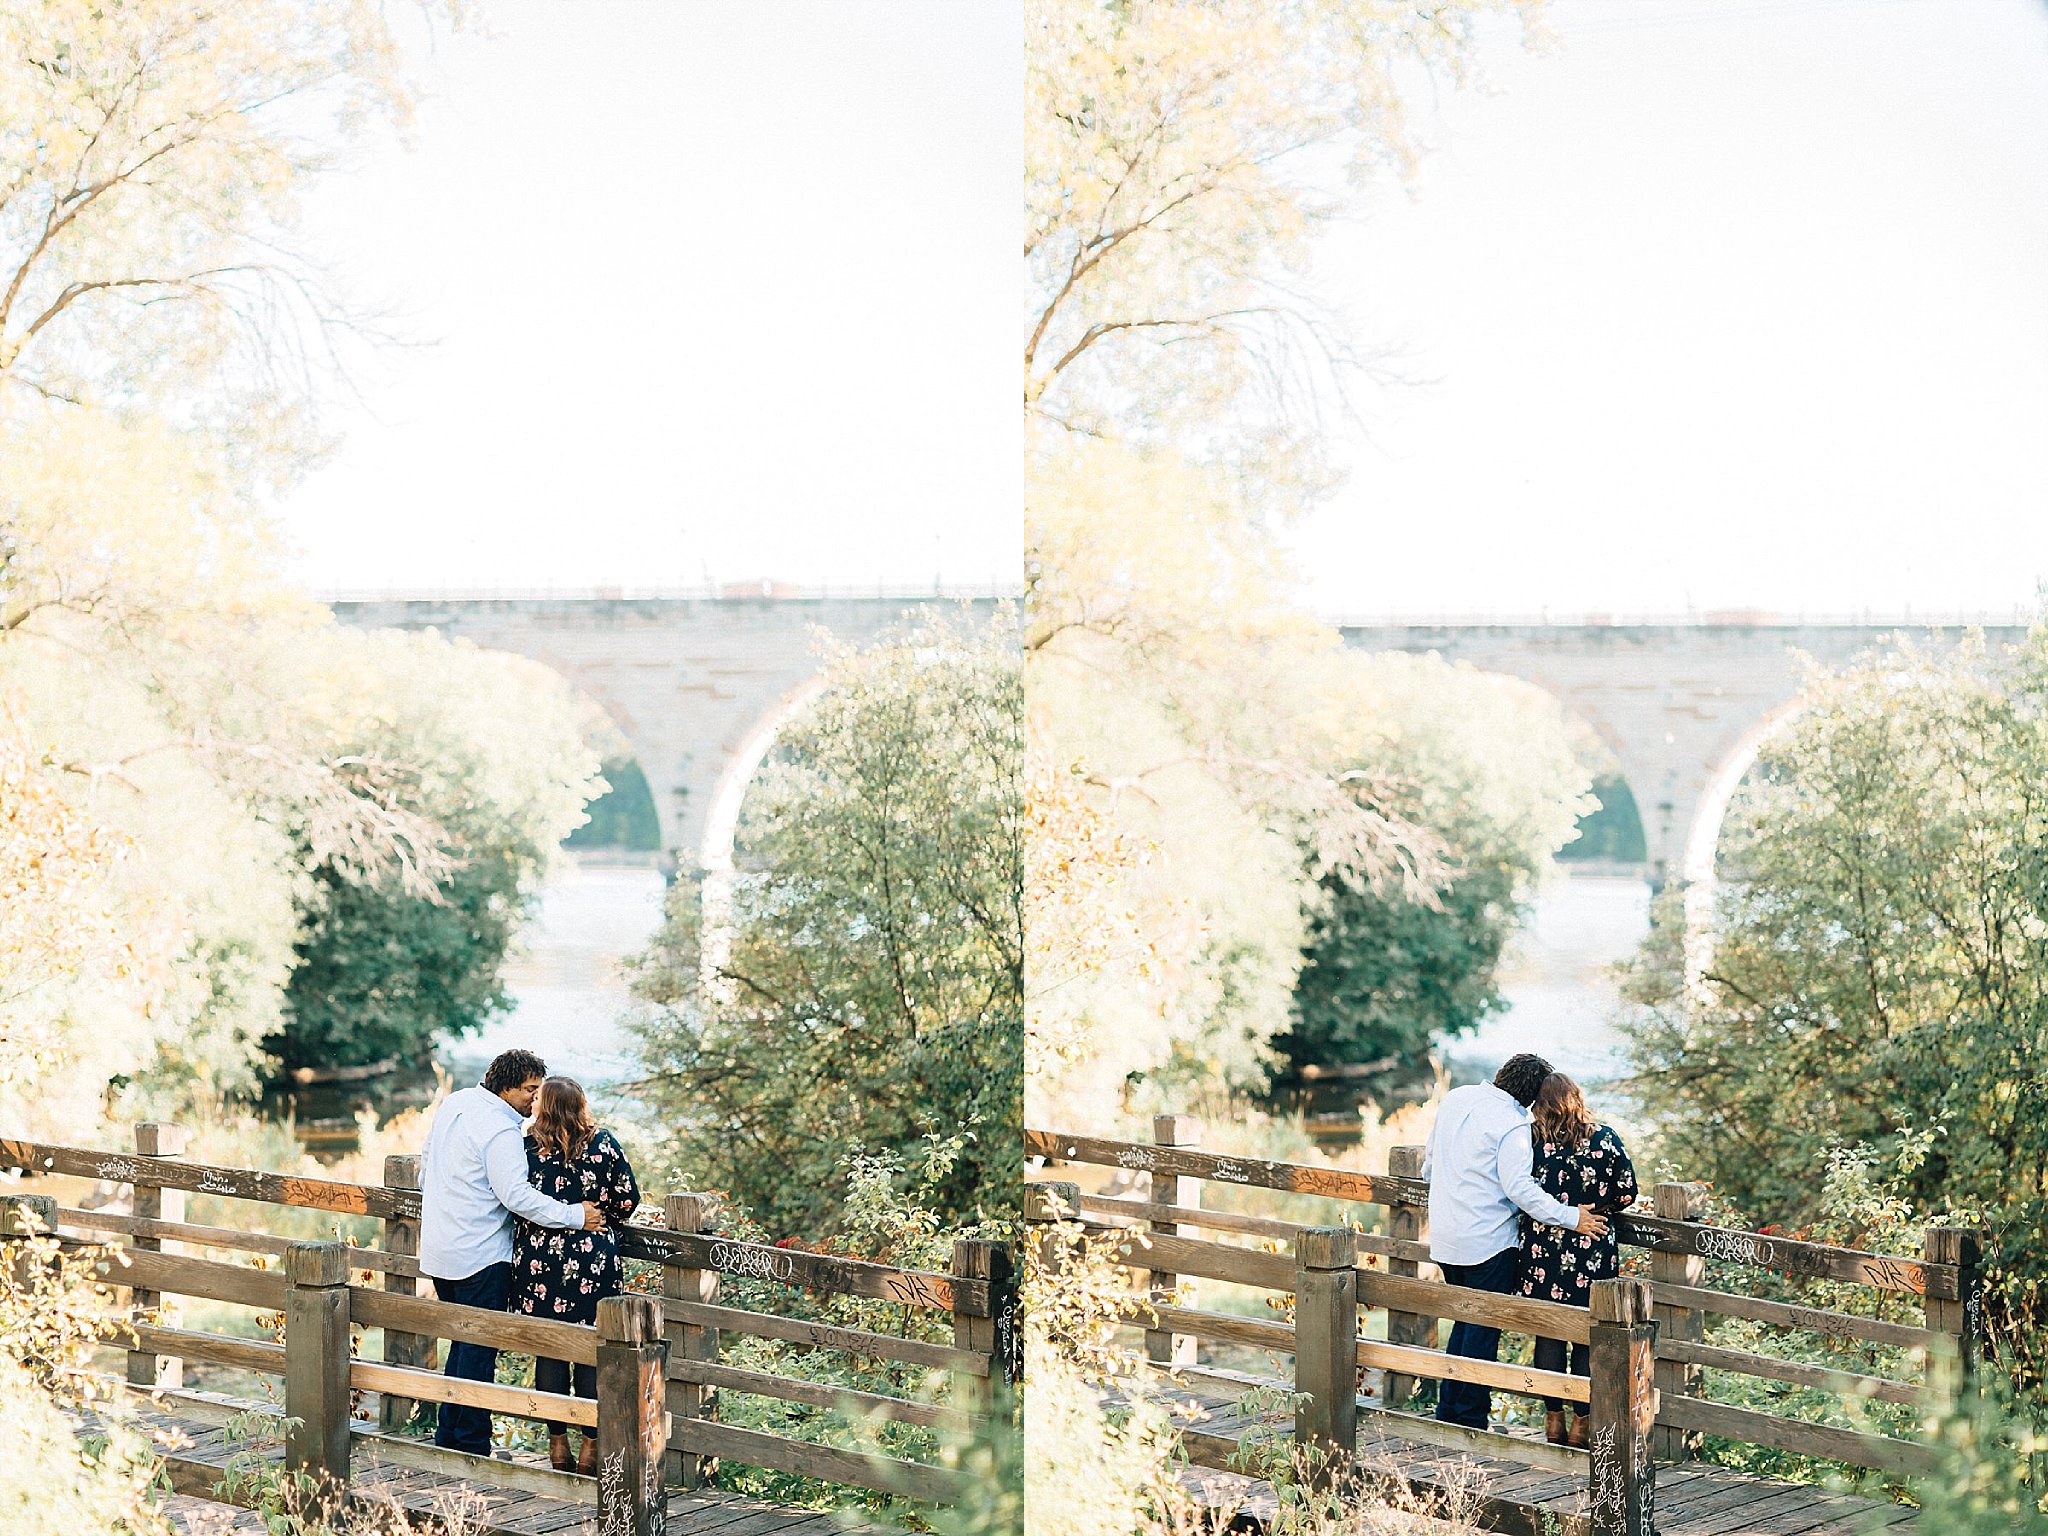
pixel 672 1344
pixel 1664 1318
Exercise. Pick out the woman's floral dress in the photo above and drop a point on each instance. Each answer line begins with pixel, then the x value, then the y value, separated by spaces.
pixel 559 1273
pixel 1560 1265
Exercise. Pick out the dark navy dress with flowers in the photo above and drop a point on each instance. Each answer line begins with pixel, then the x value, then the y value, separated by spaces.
pixel 559 1273
pixel 1560 1265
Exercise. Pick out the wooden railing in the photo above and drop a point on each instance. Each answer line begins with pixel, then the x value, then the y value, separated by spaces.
pixel 1648 1338
pixel 658 1358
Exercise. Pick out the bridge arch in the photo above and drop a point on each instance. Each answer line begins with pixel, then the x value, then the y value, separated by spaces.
pixel 715 855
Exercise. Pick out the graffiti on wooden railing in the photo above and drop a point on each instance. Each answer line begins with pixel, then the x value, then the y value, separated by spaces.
pixel 904 1289
pixel 1232 1172
pixel 611 1496
pixel 1139 1158
pixel 119 1169
pixel 1609 1496
pixel 760 1263
pixel 215 1182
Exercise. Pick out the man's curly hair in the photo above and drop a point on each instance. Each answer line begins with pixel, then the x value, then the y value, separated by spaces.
pixel 1521 1078
pixel 508 1069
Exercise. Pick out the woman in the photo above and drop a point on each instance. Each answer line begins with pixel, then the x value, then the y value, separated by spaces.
pixel 1582 1164
pixel 560 1274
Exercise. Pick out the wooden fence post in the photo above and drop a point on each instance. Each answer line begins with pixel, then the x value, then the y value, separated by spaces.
pixel 21 1218
pixel 157 1142
pixel 1406 1223
pixel 691 1341
pixel 1326 1346
pixel 316 1358
pixel 402 1235
pixel 979 1259
pixel 1624 1408
pixel 1162 1345
pixel 632 1415
pixel 1951 1370
pixel 1678 1202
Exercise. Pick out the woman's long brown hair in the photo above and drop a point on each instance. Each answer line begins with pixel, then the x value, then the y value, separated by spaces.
pixel 561 1119
pixel 1559 1112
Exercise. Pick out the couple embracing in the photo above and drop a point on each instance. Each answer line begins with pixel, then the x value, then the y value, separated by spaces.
pixel 1522 1186
pixel 522 1220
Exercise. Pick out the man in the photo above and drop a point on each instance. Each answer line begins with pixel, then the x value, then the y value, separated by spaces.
pixel 1479 1170
pixel 472 1183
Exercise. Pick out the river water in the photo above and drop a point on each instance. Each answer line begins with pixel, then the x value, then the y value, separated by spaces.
pixel 568 981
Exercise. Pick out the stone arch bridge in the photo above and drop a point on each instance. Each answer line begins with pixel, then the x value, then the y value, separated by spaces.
pixel 1682 704
pixel 697 685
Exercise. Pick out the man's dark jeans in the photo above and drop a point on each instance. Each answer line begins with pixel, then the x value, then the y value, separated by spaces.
pixel 1461 1402
pixel 460 1428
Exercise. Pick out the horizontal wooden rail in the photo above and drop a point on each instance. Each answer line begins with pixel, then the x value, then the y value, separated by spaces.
pixel 1784 1315
pixel 541 1336
pixel 204 1279
pixel 1742 1362
pixel 852 1341
pixel 933 1485
pixel 209 1179
pixel 1206 1260
pixel 1139 1211
pixel 1745 1424
pixel 818 1394
pixel 810 1271
pixel 1782 1255
pixel 1482 1443
pixel 1522 1380
pixel 70 1221
pixel 1223 1327
pixel 433 1387
pixel 1250 1172
pixel 1518 1314
pixel 259 1355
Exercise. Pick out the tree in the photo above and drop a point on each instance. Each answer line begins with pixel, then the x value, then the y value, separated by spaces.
pixel 1178 159
pixel 496 760
pixel 1873 970
pixel 1495 775
pixel 151 157
pixel 864 980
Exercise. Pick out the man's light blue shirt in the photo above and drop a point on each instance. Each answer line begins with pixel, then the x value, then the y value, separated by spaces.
pixel 1479 1170
pixel 473 1182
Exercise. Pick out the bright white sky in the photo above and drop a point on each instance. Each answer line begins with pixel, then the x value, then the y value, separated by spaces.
pixel 717 290
pixel 1725 303
pixel 1721 303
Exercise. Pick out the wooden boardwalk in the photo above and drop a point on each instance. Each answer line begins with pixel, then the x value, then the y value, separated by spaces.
pixel 1691 1499
pixel 523 1497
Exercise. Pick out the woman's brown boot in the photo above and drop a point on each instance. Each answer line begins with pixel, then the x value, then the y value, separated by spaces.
pixel 1578 1432
pixel 1554 1426
pixel 586 1460
pixel 558 1452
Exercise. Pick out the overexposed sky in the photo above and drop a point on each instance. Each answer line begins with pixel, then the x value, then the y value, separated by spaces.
pixel 719 290
pixel 1720 304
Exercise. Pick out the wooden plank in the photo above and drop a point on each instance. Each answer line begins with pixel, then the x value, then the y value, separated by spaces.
pixel 1476 1442
pixel 1431 1363
pixel 1191 1216
pixel 852 1341
pixel 208 1179
pixel 1295 1178
pixel 1784 1256
pixel 461 1467
pixel 216 1349
pixel 808 1271
pixel 1519 1314
pixel 933 1485
pixel 1874 1451
pixel 1744 1363
pixel 433 1387
pixel 1224 1327
pixel 1208 1260
pixel 73 1217
pixel 184 1276
pixel 818 1394
pixel 499 1330
pixel 1817 1319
